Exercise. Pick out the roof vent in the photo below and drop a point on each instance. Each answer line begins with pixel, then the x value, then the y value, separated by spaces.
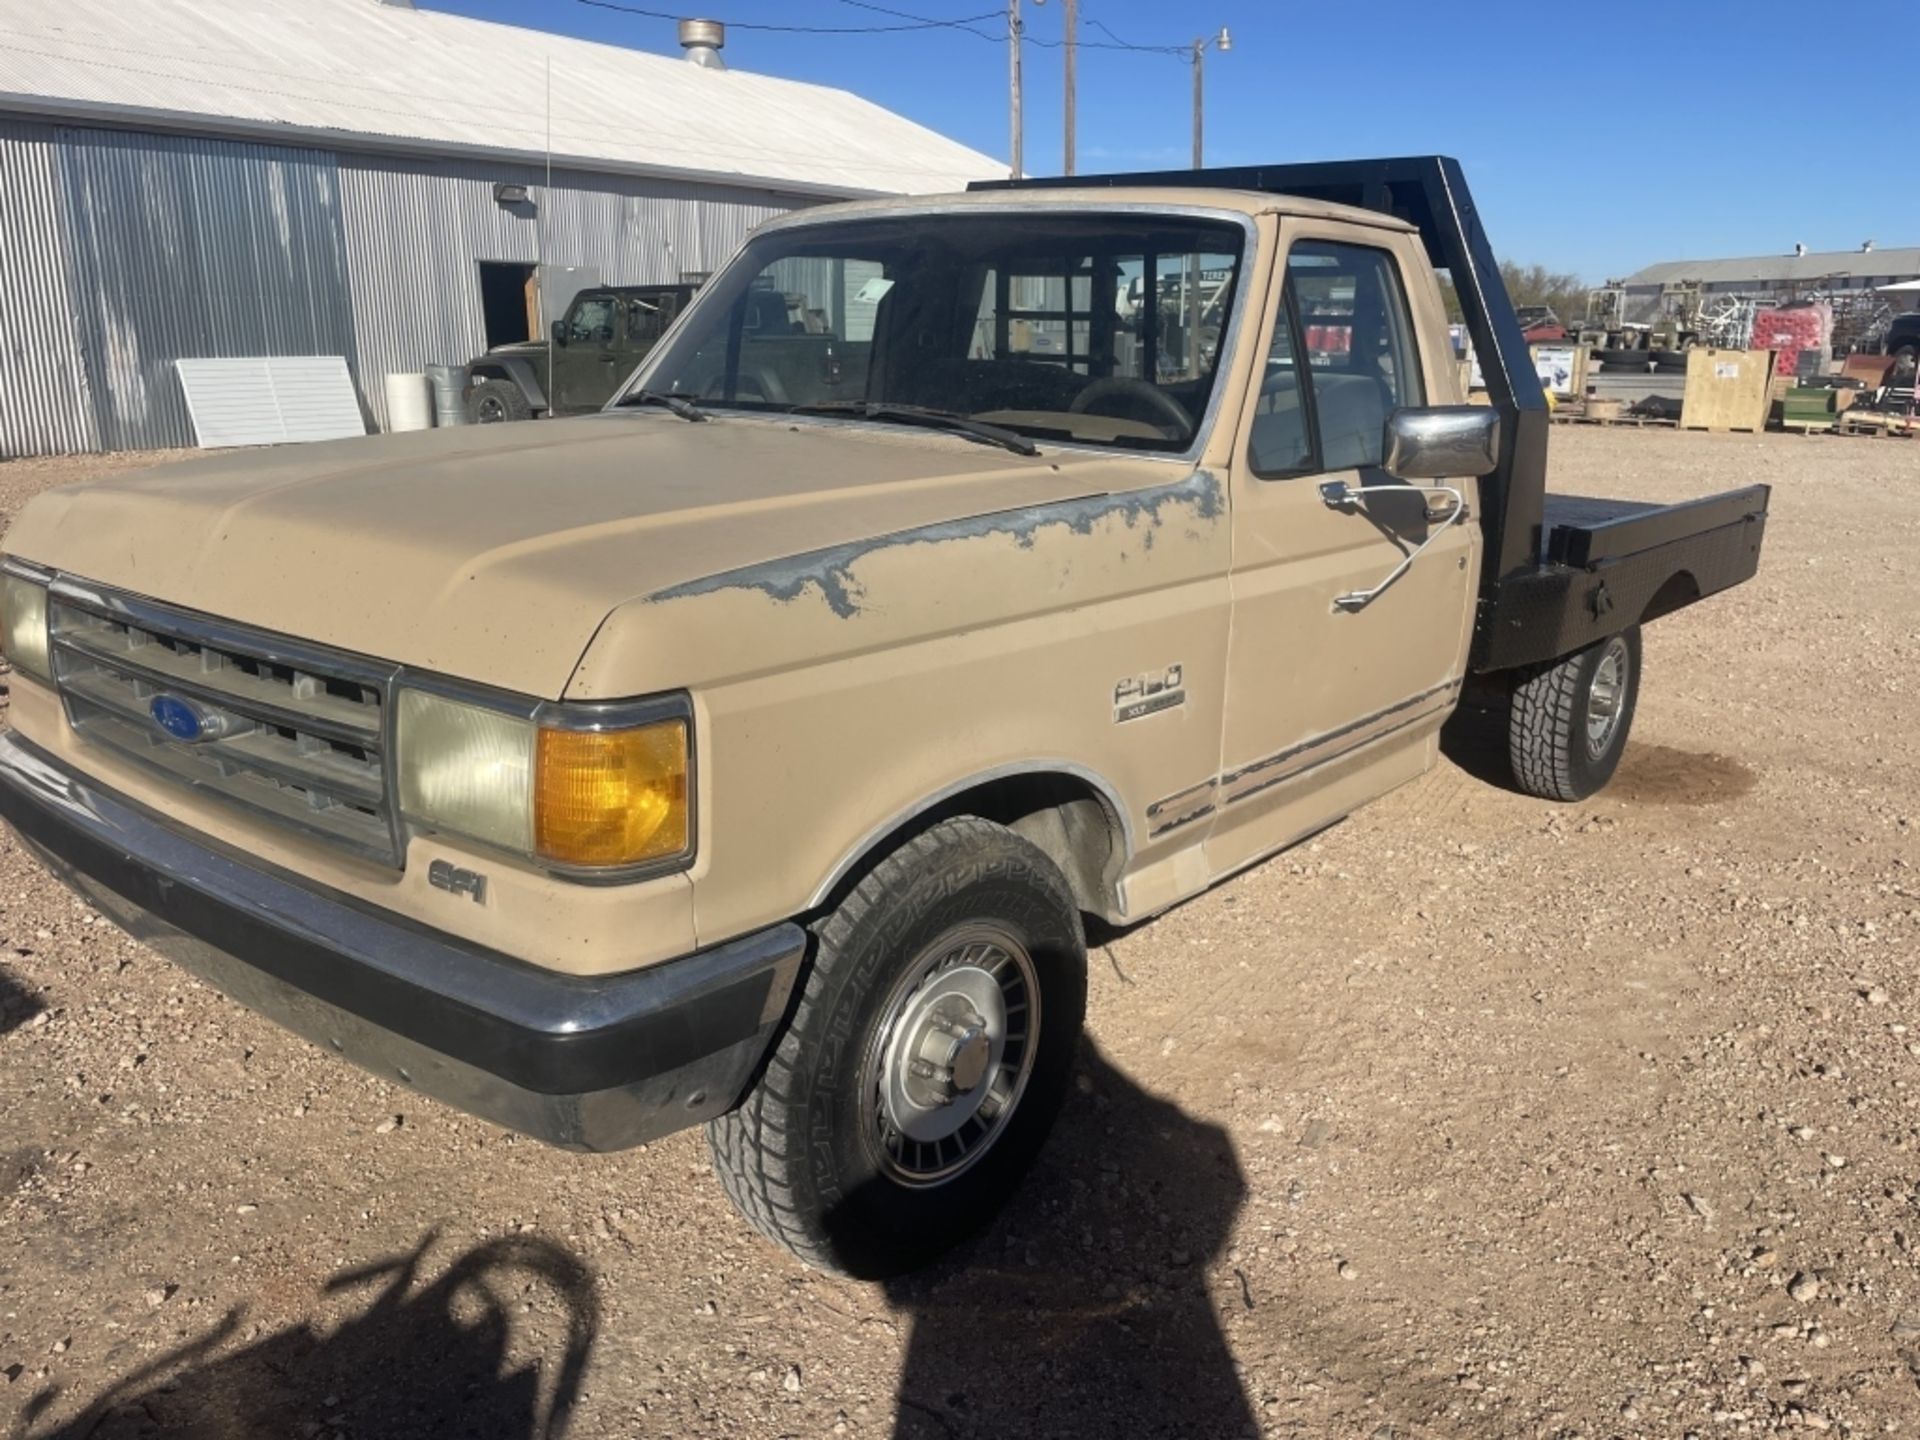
pixel 702 39
pixel 1866 247
pixel 1799 250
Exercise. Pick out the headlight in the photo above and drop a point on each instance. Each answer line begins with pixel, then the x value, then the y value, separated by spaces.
pixel 23 624
pixel 542 784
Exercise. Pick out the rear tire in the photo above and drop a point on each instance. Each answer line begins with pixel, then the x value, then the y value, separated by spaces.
pixel 495 402
pixel 883 1047
pixel 1634 360
pixel 1567 723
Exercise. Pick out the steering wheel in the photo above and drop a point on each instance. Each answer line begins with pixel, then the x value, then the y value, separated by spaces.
pixel 1152 396
pixel 759 384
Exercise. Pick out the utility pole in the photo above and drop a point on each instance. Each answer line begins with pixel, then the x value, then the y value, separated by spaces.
pixel 1013 81
pixel 1222 42
pixel 1073 49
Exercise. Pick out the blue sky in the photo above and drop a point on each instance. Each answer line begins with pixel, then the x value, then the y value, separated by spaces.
pixel 1634 133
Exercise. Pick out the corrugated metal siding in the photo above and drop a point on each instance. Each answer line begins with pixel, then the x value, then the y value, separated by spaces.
pixel 43 405
pixel 416 233
pixel 125 251
pixel 187 247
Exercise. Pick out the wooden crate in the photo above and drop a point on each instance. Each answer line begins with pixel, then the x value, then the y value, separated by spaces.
pixel 1576 387
pixel 1727 389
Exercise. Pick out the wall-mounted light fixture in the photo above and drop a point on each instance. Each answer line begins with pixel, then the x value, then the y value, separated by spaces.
pixel 505 194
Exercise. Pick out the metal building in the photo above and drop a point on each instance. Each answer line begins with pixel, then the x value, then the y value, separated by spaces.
pixel 186 178
pixel 1775 278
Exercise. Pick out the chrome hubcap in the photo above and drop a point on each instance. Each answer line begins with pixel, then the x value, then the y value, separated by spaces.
pixel 1606 695
pixel 951 1056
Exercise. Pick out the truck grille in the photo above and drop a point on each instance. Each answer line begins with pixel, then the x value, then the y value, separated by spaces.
pixel 289 731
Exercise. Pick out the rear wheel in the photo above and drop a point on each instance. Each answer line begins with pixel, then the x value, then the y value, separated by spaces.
pixel 1567 723
pixel 925 1062
pixel 494 402
pixel 1634 360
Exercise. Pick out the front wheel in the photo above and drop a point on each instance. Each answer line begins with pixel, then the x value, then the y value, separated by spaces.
pixel 1567 723
pixel 926 1059
pixel 497 402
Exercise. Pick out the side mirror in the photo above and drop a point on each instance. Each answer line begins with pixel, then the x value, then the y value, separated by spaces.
pixel 559 332
pixel 1439 441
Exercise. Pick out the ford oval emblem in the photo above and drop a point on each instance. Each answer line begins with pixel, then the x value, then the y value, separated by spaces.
pixel 179 718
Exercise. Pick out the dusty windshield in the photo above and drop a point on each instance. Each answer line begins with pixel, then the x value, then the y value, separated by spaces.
pixel 1090 328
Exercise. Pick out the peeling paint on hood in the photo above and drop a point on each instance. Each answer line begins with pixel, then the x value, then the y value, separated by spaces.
pixel 830 571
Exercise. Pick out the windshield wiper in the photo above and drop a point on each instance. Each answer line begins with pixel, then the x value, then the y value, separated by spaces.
pixel 678 404
pixel 921 415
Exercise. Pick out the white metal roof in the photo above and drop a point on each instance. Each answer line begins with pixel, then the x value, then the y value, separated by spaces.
pixel 1773 269
pixel 360 73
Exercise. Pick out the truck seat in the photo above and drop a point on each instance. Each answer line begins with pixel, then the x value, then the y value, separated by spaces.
pixel 1353 415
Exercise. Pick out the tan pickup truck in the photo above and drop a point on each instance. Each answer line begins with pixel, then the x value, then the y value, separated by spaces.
pixel 754 751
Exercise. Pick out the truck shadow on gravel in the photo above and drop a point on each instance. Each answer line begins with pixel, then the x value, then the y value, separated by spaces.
pixel 1091 1307
pixel 450 1356
pixel 1475 739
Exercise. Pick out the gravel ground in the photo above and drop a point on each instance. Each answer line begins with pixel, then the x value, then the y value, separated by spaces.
pixel 1476 1116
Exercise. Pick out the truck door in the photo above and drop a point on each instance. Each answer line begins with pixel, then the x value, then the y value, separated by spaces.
pixel 587 367
pixel 1329 705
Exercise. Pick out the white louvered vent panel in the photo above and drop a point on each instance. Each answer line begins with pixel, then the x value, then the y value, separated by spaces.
pixel 270 400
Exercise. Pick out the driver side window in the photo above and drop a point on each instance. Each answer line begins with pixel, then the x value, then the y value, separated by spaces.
pixel 1342 360
pixel 592 320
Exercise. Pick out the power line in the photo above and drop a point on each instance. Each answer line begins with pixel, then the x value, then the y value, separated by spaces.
pixel 1119 44
pixel 1026 38
pixel 965 24
pixel 962 23
pixel 932 24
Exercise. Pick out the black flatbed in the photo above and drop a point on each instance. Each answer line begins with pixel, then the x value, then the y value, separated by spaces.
pixel 1560 572
pixel 1587 530
pixel 1606 564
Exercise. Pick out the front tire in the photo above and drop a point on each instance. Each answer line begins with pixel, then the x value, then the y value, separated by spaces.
pixel 497 402
pixel 925 1062
pixel 1567 723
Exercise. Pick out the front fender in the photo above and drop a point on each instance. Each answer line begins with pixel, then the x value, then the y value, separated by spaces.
pixel 519 370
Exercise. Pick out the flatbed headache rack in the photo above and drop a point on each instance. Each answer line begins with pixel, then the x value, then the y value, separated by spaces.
pixel 1560 571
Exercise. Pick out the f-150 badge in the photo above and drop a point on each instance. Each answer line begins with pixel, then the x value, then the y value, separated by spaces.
pixel 1148 694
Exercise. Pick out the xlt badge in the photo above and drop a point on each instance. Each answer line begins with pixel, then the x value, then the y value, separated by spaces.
pixel 1148 694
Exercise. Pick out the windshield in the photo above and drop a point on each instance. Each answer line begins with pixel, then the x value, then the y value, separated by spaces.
pixel 1091 328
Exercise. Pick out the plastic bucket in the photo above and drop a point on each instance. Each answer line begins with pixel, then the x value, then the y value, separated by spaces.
pixel 449 393
pixel 409 401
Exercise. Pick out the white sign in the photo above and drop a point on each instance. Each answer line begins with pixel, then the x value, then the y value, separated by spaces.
pixel 1554 364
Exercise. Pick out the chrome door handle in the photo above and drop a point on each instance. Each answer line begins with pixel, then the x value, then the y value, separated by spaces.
pixel 1339 495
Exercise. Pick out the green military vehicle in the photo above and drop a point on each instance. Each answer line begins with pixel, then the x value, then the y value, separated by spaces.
pixel 605 333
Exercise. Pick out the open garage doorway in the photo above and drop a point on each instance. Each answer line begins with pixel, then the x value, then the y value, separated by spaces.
pixel 507 301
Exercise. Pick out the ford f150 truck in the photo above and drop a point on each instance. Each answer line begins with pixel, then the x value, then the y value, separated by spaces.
pixel 753 752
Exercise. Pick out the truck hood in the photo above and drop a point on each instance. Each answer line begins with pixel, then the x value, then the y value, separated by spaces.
pixel 493 553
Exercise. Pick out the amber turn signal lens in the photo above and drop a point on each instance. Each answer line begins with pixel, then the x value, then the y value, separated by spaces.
pixel 611 797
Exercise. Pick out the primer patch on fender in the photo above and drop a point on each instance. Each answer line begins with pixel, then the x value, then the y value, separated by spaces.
pixel 830 571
